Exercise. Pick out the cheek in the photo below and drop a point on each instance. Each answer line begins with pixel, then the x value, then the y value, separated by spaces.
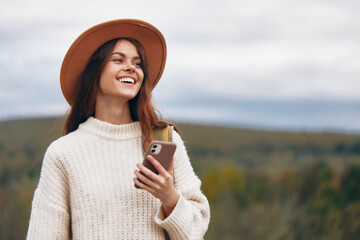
pixel 107 74
pixel 141 75
pixel 105 82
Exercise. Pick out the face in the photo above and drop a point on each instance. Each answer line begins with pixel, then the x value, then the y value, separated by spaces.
pixel 122 75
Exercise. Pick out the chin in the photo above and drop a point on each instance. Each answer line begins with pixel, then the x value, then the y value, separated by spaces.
pixel 128 97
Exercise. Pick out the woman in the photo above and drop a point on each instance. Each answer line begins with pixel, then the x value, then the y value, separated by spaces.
pixel 86 187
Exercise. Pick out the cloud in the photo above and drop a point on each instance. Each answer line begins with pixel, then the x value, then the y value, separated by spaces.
pixel 240 49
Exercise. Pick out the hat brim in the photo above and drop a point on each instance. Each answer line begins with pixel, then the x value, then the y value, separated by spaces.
pixel 80 52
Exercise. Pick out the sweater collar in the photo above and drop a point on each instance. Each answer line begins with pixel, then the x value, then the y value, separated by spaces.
pixel 111 131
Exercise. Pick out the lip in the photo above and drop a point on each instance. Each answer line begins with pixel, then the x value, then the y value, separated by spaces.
pixel 126 76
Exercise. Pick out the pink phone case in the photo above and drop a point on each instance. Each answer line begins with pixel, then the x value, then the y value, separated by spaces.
pixel 164 155
pixel 163 152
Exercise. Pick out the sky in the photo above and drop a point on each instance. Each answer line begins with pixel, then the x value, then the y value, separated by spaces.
pixel 271 63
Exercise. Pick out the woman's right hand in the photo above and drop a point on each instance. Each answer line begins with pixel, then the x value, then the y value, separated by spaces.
pixel 159 185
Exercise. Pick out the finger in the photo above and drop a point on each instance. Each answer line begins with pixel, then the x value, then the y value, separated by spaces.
pixel 143 178
pixel 147 172
pixel 171 169
pixel 157 165
pixel 142 185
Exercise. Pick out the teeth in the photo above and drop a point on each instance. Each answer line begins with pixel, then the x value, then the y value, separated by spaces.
pixel 127 80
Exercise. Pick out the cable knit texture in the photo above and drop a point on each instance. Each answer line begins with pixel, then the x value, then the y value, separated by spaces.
pixel 86 189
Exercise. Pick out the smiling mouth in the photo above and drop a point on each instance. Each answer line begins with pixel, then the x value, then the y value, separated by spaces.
pixel 127 80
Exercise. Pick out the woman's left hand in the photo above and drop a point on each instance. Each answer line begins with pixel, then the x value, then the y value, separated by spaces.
pixel 159 185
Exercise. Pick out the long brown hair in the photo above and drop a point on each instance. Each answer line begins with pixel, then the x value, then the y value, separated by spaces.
pixel 84 102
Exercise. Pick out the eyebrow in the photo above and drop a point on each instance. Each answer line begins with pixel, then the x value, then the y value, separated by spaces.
pixel 124 55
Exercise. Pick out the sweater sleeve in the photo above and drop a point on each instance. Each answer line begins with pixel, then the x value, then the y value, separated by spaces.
pixel 191 215
pixel 50 216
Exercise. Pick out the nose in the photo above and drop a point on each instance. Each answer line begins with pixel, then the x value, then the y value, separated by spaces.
pixel 129 67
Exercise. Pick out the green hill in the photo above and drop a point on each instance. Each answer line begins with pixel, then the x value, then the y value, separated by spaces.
pixel 260 184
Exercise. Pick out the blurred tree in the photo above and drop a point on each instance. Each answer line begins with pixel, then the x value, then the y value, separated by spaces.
pixel 350 185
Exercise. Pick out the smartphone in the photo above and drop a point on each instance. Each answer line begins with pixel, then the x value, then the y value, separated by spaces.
pixel 163 152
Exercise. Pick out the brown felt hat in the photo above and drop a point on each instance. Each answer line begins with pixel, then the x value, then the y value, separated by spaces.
pixel 80 52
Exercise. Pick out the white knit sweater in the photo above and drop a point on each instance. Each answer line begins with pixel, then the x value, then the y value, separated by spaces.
pixel 86 189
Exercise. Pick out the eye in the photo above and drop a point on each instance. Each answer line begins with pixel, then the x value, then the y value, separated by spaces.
pixel 117 60
pixel 138 64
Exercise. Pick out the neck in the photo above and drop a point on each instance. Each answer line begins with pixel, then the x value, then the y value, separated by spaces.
pixel 113 111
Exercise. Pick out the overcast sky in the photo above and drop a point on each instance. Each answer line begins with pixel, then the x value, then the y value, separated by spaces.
pixel 260 50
